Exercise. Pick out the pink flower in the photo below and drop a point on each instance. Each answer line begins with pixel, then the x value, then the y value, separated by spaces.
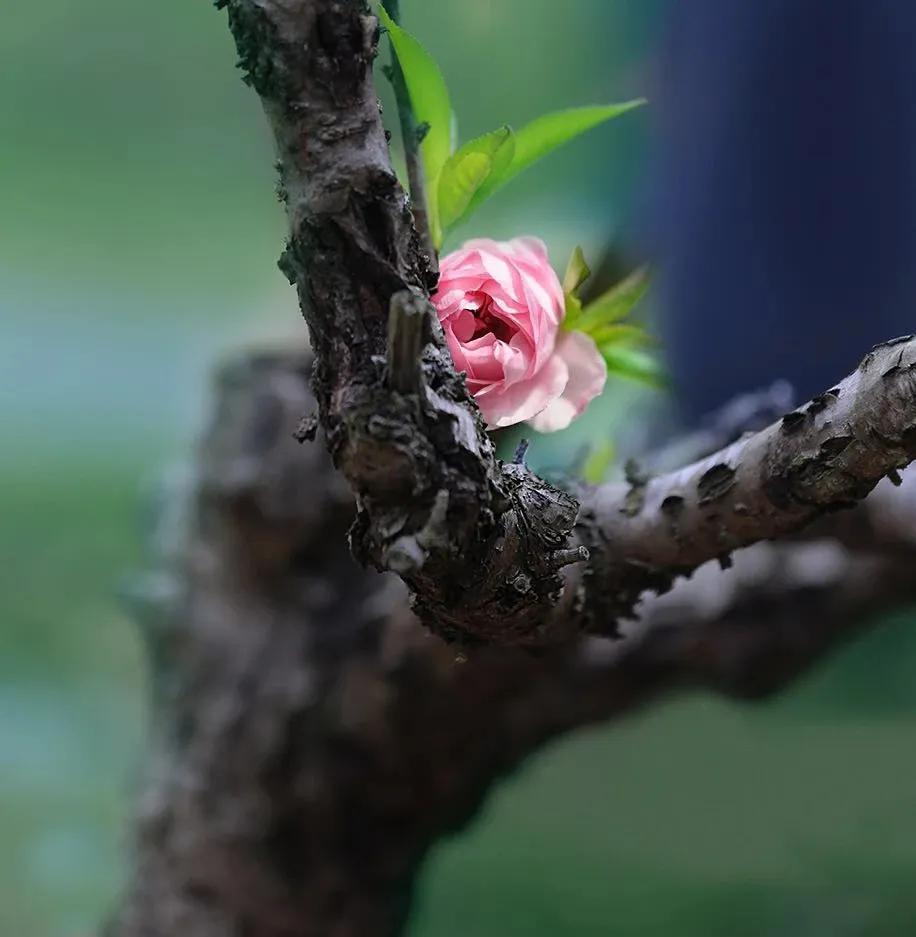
pixel 501 304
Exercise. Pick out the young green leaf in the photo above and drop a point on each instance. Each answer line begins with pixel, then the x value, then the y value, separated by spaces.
pixel 577 272
pixel 634 364
pixel 613 305
pixel 468 169
pixel 622 333
pixel 573 309
pixel 546 133
pixel 430 101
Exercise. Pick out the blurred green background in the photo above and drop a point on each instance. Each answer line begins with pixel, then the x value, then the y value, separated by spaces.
pixel 138 246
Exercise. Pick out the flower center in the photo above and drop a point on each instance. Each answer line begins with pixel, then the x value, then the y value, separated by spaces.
pixel 485 321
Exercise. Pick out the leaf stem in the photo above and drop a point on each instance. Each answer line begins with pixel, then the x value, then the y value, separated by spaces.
pixel 411 136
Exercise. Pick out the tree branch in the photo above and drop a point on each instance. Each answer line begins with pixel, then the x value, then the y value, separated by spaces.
pixel 494 569
pixel 313 741
pixel 411 137
pixel 827 455
pixel 491 571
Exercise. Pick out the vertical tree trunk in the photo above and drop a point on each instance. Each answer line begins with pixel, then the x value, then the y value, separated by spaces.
pixel 259 817
pixel 312 740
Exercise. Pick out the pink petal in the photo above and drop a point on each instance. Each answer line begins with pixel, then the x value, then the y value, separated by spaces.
pixel 482 358
pixel 477 244
pixel 503 405
pixel 587 375
pixel 464 283
pixel 463 325
pixel 531 255
pixel 515 314
pixel 516 359
pixel 496 268
pixel 530 248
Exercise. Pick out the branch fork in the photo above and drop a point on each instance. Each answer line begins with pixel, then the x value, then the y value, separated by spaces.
pixel 403 428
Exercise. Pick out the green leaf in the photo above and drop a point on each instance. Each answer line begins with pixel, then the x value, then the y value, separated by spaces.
pixel 577 272
pixel 430 101
pixel 468 169
pixel 573 307
pixel 622 334
pixel 613 305
pixel 546 133
pixel 634 364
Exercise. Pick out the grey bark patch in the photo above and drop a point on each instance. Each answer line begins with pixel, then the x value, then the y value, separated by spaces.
pixel 831 448
pixel 900 340
pixel 822 401
pixel 793 422
pixel 715 483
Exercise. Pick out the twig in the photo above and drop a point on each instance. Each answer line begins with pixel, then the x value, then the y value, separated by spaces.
pixel 407 333
pixel 411 137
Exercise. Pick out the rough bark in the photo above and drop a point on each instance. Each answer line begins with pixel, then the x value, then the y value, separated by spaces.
pixel 313 740
pixel 483 545
pixel 827 455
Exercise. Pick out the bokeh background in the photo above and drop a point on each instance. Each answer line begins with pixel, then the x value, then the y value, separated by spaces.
pixel 771 182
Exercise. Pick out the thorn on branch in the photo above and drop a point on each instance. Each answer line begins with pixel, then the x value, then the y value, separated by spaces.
pixel 407 333
pixel 521 452
pixel 568 556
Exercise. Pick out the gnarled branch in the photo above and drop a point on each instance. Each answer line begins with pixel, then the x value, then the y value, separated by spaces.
pixel 494 570
pixel 313 740
pixel 827 455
